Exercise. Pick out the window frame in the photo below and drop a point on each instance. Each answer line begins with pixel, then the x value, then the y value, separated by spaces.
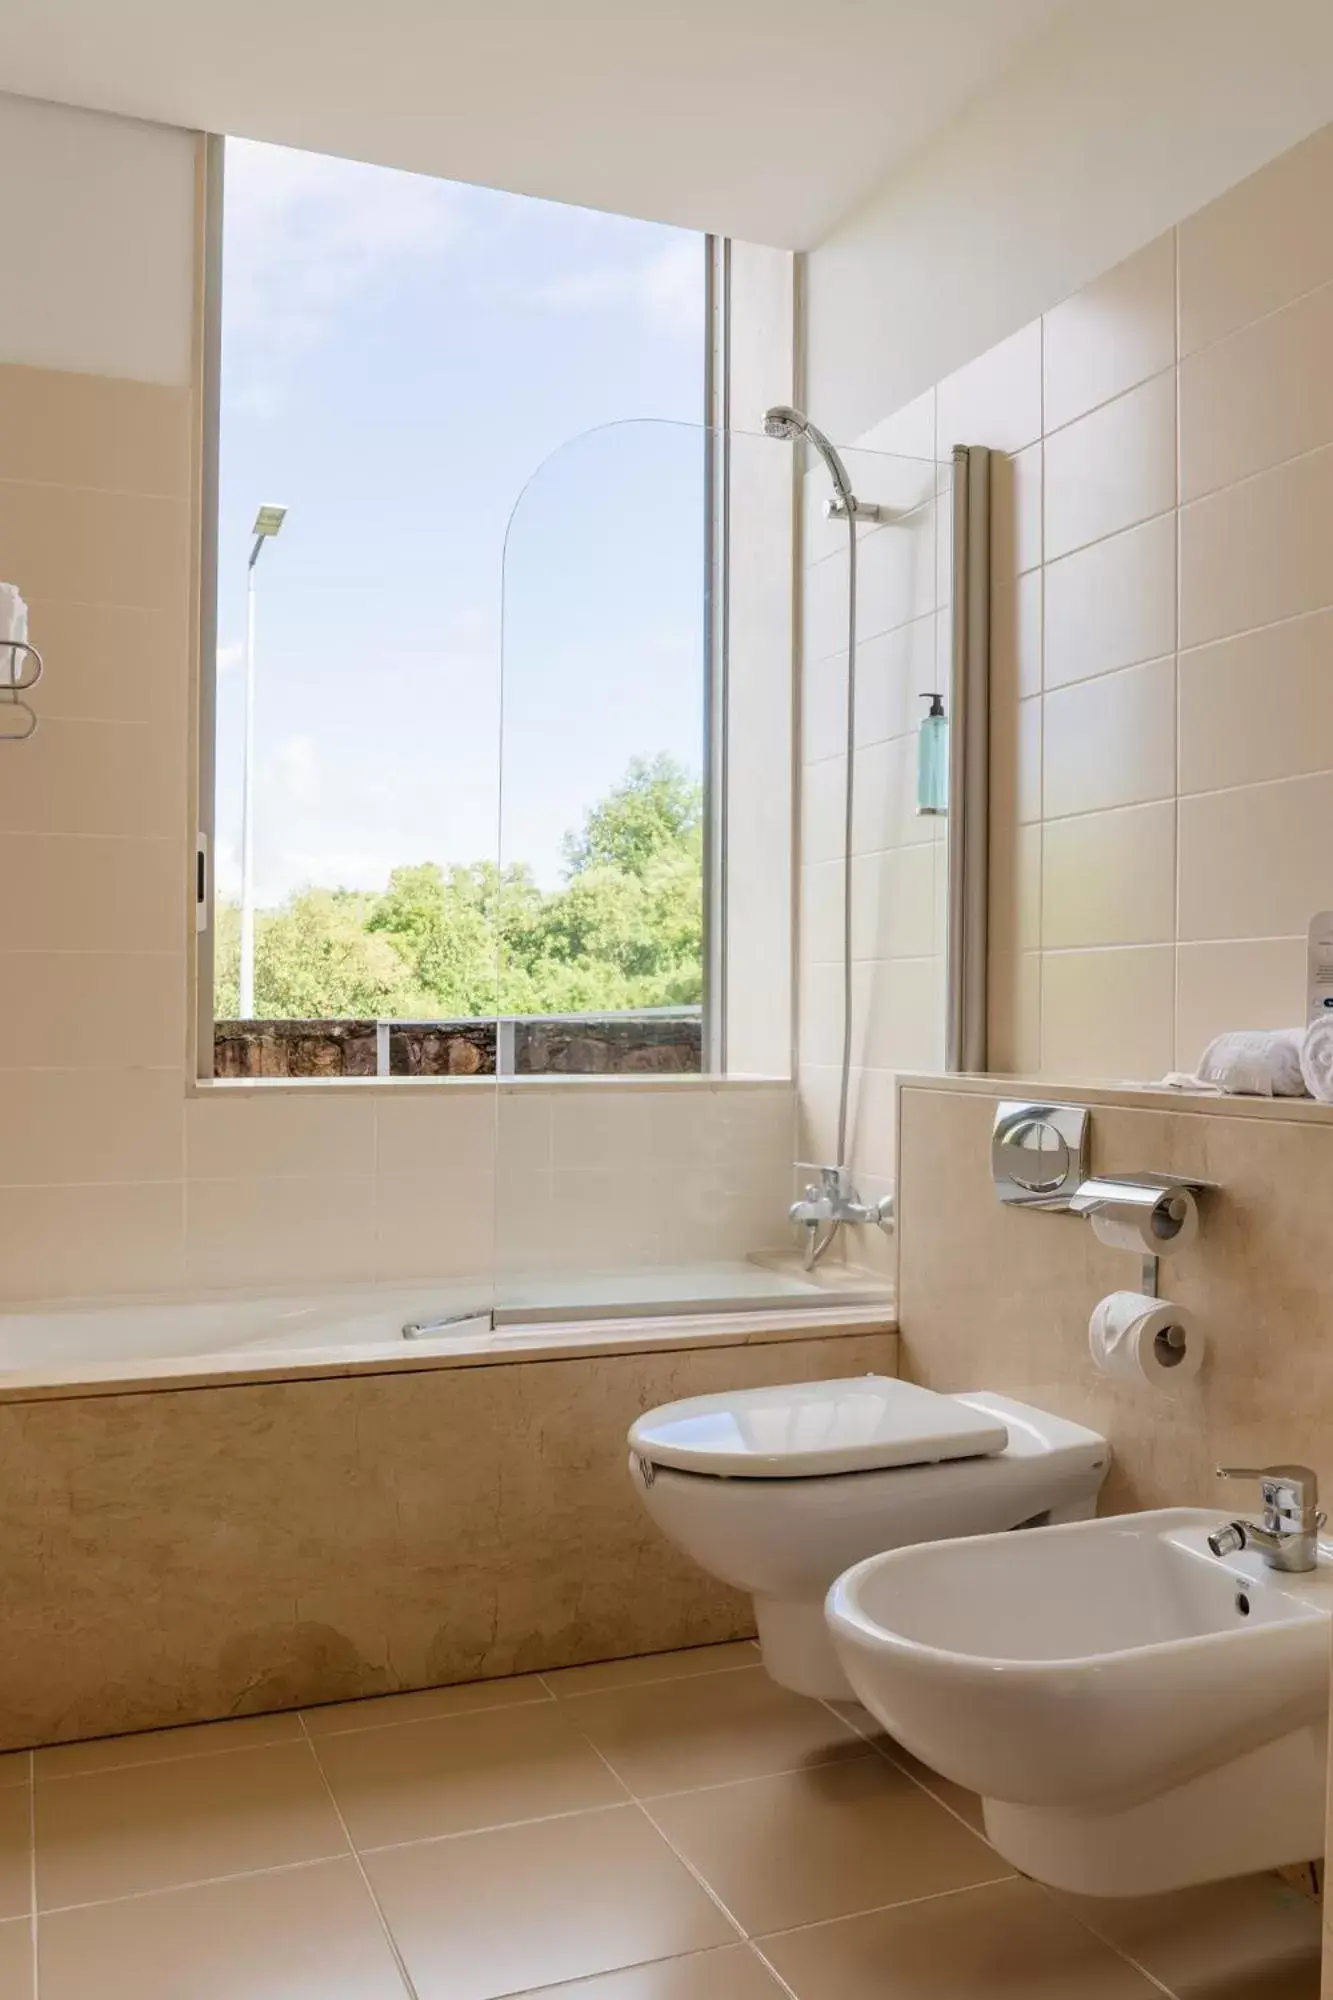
pixel 715 417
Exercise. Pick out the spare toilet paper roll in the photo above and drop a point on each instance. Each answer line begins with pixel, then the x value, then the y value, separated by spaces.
pixel 1155 1228
pixel 1139 1339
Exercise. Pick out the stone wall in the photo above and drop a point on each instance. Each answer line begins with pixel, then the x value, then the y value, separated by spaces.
pixel 568 1045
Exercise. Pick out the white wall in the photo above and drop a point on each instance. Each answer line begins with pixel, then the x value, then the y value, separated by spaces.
pixel 97 224
pixel 1103 133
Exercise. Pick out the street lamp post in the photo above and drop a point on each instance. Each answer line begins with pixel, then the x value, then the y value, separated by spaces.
pixel 267 523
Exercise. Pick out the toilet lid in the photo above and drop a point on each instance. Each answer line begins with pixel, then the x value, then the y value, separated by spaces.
pixel 801 1429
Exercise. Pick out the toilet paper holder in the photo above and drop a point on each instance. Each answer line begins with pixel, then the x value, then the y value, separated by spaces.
pixel 1159 1209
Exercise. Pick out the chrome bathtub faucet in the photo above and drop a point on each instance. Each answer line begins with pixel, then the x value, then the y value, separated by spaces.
pixel 833 1198
pixel 1288 1538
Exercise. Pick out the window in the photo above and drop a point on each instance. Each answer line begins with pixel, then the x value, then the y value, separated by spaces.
pixel 441 890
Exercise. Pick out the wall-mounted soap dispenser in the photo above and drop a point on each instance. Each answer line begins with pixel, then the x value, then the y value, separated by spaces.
pixel 932 759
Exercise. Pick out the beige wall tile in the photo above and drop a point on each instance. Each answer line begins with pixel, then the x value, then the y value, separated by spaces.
pixel 434 1132
pixel 893 480
pixel 1016 886
pixel 247 1135
pixel 112 662
pixel 896 576
pixel 1109 878
pixel 1258 246
pixel 62 429
pixel 1110 741
pixel 893 905
pixel 822 807
pixel 69 1125
pixel 438 1225
pixel 67 1242
pixel 1111 605
pixel 821 913
pixel 994 400
pixel 63 893
pixel 279 1232
pixel 824 707
pixel 1251 983
pixel 1015 521
pixel 96 778
pixel 1016 634
pixel 1254 862
pixel 1262 396
pixel 1112 469
pixel 1112 335
pixel 902 1006
pixel 522 1128
pixel 884 809
pixel 1259 706
pixel 88 547
pixel 1108 1013
pixel 910 431
pixel 1257 552
pixel 891 672
pixel 871 1127
pixel 1015 762
pixel 1014 1026
pixel 92 1010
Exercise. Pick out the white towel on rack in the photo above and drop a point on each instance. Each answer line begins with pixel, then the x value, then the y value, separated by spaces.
pixel 1255 1062
pixel 1317 1060
pixel 13 625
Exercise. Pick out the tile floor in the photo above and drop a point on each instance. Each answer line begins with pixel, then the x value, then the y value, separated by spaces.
pixel 674 1828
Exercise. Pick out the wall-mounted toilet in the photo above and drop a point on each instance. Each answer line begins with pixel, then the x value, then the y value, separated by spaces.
pixel 777 1491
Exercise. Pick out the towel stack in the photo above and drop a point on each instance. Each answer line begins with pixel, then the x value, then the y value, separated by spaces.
pixel 1271 1062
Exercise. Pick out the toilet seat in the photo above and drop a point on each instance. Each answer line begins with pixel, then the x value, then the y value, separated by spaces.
pixel 806 1430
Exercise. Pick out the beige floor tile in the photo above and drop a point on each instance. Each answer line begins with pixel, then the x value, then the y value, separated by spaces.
pixel 16 1960
pixel 423 1704
pixel 1008 1941
pixel 1255 1939
pixel 155 1746
pixel 463 1772
pixel 159 1826
pixel 958 1799
pixel 651 1667
pixel 823 1843
pixel 731 1974
pixel 296 1934
pixel 15 1851
pixel 600 1890
pixel 708 1730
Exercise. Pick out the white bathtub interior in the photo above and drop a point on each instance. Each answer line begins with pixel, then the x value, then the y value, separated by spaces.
pixel 97 1339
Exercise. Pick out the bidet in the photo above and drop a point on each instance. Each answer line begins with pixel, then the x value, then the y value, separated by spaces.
pixel 1136 1713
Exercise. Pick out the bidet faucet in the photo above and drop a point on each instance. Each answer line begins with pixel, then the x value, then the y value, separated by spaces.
pixel 1288 1538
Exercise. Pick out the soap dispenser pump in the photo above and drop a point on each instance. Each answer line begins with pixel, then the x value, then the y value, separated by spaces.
pixel 932 759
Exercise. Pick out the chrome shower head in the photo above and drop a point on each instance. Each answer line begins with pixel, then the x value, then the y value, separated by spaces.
pixel 782 421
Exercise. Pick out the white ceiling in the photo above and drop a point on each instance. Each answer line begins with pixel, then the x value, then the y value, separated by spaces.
pixel 762 119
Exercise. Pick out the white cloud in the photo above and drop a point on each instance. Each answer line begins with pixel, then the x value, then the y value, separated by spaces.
pixel 230 656
pixel 304 232
pixel 666 287
pixel 298 772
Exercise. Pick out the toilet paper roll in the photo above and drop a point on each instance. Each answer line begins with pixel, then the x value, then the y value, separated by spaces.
pixel 1140 1339
pixel 1152 1228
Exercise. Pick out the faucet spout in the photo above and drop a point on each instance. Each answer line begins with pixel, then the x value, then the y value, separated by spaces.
pixel 1288 1535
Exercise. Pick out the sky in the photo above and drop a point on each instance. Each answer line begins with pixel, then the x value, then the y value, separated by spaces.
pixel 483 415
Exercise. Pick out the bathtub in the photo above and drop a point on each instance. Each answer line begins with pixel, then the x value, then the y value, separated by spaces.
pixel 96 1347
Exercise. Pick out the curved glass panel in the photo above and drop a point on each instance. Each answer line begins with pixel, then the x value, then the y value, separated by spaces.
pixel 671 842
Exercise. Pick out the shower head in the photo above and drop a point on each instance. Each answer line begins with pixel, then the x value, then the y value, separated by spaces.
pixel 782 421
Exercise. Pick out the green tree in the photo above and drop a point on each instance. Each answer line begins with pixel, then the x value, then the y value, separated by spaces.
pixel 624 930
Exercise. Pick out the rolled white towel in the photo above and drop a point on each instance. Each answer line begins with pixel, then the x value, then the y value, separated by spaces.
pixel 1255 1062
pixel 13 625
pixel 1317 1059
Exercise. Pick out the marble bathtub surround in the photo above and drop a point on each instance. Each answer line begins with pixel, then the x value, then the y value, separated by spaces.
pixel 176 1556
pixel 996 1295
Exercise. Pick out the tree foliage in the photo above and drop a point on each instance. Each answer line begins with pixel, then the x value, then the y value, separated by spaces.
pixel 624 929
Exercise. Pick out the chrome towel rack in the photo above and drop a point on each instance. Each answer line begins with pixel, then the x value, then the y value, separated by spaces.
pixel 18 718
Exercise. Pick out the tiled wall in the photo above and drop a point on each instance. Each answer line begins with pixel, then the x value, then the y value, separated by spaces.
pixel 113 1179
pixel 1000 1297
pixel 1162 761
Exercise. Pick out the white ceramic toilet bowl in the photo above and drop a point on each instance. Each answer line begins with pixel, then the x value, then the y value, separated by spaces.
pixel 1136 1714
pixel 774 1519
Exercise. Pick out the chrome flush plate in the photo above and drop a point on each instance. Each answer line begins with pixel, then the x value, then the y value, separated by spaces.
pixel 1039 1153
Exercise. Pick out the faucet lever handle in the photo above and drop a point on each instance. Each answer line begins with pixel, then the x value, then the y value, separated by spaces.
pixel 1288 1491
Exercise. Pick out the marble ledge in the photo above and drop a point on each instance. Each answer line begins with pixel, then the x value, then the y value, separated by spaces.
pixel 1129 1096
pixel 568 1341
